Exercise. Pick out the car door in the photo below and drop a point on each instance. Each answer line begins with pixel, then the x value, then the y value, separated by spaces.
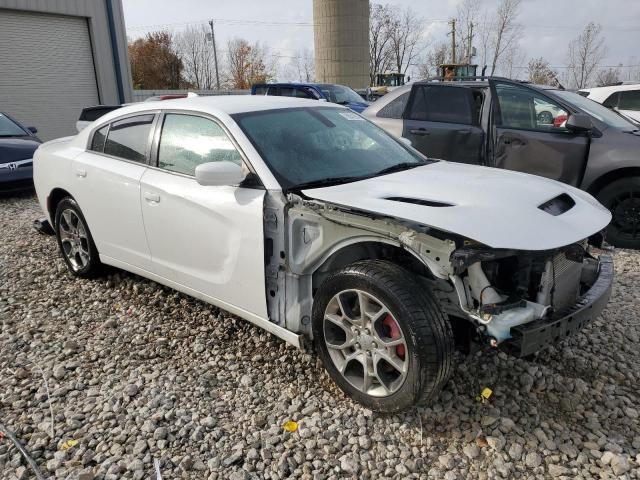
pixel 444 122
pixel 107 187
pixel 207 238
pixel 529 134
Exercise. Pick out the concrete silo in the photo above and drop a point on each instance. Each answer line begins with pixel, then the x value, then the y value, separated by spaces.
pixel 341 40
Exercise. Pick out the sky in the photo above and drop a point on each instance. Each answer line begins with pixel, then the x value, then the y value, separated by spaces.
pixel 286 26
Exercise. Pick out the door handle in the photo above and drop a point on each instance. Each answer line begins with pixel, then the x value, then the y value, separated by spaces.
pixel 81 173
pixel 152 197
pixel 507 141
pixel 419 131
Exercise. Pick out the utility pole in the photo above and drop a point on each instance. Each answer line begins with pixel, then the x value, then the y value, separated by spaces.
pixel 470 46
pixel 215 54
pixel 453 40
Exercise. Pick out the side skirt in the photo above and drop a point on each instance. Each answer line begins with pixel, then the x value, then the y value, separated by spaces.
pixel 280 332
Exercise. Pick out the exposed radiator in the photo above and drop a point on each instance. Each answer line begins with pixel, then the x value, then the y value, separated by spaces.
pixel 560 283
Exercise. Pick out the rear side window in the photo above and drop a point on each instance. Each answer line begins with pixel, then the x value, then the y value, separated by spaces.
pixel 188 141
pixel 629 100
pixel 442 104
pixel 99 138
pixel 395 108
pixel 612 100
pixel 260 90
pixel 273 91
pixel 129 138
pixel 287 92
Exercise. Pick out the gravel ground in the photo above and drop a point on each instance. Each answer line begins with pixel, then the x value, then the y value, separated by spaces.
pixel 138 373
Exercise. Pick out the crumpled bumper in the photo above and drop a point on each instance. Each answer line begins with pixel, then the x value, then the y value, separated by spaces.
pixel 534 336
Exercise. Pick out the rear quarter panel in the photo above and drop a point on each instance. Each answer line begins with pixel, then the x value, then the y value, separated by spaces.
pixel 52 169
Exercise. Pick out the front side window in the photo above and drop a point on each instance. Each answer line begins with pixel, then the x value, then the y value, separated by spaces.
pixel 596 110
pixel 273 91
pixel 313 146
pixel 8 128
pixel 129 138
pixel 188 141
pixel 526 109
pixel 433 103
pixel 395 108
pixel 629 100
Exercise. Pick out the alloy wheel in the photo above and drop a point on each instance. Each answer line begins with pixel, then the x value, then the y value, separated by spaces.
pixel 74 239
pixel 365 342
pixel 626 214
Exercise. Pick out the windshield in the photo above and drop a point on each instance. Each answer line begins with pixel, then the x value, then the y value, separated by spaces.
pixel 309 146
pixel 593 108
pixel 340 94
pixel 8 128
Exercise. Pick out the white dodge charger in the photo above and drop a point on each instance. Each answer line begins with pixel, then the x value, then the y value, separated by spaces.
pixel 313 223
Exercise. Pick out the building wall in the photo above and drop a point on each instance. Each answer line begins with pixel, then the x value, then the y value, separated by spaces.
pixel 113 79
pixel 341 40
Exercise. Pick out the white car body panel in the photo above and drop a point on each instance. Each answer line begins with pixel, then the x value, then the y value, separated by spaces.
pixel 108 190
pixel 495 207
pixel 208 239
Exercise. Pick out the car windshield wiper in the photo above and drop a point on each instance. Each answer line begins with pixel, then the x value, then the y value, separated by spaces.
pixel 327 182
pixel 399 167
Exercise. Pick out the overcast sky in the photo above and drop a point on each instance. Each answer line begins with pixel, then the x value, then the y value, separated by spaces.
pixel 286 25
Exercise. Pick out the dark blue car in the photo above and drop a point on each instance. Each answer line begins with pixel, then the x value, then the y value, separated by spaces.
pixel 17 145
pixel 316 91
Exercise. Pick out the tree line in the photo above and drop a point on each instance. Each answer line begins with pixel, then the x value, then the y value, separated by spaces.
pixel 398 42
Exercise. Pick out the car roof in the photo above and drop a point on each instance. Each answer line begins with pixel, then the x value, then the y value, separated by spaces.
pixel 217 104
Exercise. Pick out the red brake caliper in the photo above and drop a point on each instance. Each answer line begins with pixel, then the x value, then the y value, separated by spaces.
pixel 393 331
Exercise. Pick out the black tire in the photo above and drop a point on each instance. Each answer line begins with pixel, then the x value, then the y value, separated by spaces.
pixel 622 198
pixel 425 329
pixel 86 264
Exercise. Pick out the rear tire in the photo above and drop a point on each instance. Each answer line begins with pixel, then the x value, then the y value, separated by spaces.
pixel 399 353
pixel 75 241
pixel 622 198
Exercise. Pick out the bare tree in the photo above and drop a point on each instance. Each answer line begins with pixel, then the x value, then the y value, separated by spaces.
pixel 438 55
pixel 586 51
pixel 505 30
pixel 247 64
pixel 539 72
pixel 467 26
pixel 380 18
pixel 511 59
pixel 405 35
pixel 197 56
pixel 303 65
pixel 607 76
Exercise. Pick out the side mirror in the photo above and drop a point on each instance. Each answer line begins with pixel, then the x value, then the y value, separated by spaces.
pixel 579 123
pixel 33 130
pixel 217 174
pixel 406 141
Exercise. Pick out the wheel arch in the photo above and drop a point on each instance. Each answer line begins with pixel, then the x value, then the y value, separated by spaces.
pixel 367 248
pixel 54 198
pixel 598 184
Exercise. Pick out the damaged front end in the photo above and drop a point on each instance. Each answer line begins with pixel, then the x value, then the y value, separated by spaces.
pixel 524 301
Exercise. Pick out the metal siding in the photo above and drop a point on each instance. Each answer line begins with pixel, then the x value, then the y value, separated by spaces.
pixel 47 75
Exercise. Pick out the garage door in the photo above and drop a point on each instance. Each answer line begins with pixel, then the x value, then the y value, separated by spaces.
pixel 46 70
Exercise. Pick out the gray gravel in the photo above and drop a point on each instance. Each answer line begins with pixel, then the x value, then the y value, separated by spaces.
pixel 139 373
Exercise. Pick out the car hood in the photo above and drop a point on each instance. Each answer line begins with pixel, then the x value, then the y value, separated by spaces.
pixel 13 149
pixel 495 207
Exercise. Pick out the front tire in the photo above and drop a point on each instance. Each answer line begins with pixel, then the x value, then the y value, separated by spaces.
pixel 382 336
pixel 75 241
pixel 622 198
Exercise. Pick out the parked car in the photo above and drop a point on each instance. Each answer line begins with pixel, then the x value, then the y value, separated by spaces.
pixel 623 98
pixel 313 223
pixel 17 144
pixel 499 123
pixel 315 91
